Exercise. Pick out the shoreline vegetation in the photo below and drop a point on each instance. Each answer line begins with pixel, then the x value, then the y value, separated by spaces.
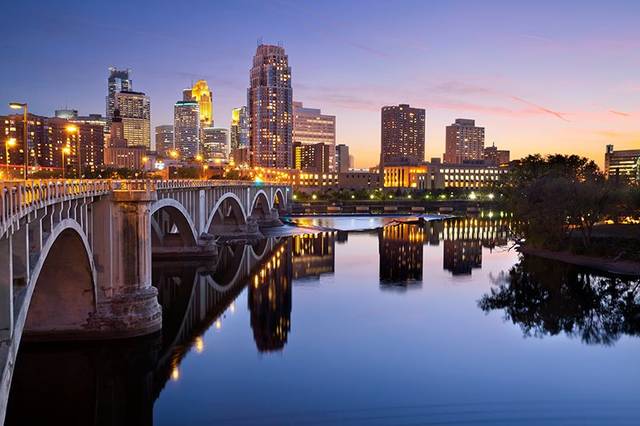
pixel 565 208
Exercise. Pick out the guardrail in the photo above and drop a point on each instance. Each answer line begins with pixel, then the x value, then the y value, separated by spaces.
pixel 19 197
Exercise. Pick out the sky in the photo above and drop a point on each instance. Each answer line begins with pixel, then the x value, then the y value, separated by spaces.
pixel 541 77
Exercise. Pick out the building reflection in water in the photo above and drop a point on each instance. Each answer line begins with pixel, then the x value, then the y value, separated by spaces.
pixel 463 241
pixel 313 255
pixel 400 250
pixel 401 246
pixel 269 300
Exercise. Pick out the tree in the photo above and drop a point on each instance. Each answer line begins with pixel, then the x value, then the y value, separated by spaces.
pixel 552 196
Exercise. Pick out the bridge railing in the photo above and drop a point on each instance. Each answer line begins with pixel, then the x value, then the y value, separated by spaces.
pixel 17 197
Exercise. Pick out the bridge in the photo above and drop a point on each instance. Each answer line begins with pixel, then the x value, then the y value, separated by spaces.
pixel 76 256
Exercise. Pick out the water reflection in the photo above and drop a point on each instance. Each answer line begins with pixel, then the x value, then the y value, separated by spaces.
pixel 400 249
pixel 545 298
pixel 123 379
pixel 269 300
pixel 314 255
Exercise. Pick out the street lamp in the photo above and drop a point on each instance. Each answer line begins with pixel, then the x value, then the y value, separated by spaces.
pixel 10 143
pixel 74 129
pixel 173 153
pixel 65 151
pixel 25 123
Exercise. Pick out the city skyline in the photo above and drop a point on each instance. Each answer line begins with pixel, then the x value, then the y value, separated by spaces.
pixel 569 81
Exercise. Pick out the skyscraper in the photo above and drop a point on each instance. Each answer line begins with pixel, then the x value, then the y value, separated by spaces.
pixel 135 111
pixel 402 135
pixel 118 81
pixel 343 160
pixel 464 142
pixel 215 141
pixel 239 128
pixel 201 93
pixel 164 139
pixel 269 100
pixel 186 128
pixel 311 127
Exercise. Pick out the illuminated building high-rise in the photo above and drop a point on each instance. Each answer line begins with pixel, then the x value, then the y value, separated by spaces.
pixel 164 139
pixel 402 135
pixel 118 81
pixel 311 127
pixel 215 142
pixel 201 93
pixel 464 142
pixel 270 103
pixel 135 111
pixel 186 128
pixel 239 128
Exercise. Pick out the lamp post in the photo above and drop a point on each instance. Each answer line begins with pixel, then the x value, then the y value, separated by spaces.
pixel 10 143
pixel 71 130
pixel 65 151
pixel 25 123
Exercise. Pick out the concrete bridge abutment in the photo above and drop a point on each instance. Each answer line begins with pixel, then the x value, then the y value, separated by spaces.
pixel 127 303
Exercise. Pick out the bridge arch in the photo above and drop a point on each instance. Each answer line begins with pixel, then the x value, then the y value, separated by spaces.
pixel 227 215
pixel 279 201
pixel 61 294
pixel 260 205
pixel 170 217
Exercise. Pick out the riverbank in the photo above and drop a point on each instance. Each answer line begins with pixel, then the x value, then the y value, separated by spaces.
pixel 611 266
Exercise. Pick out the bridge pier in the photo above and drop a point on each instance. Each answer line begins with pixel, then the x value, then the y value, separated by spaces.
pixel 127 303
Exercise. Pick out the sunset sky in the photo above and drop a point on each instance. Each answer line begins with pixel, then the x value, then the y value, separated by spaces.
pixel 540 77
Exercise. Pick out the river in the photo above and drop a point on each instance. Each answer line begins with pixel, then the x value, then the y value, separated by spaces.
pixel 363 322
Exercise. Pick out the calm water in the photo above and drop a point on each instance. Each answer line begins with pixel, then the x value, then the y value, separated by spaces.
pixel 402 325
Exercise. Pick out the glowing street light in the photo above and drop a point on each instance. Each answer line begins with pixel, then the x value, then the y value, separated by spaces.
pixel 25 133
pixel 173 153
pixel 71 129
pixel 10 143
pixel 65 151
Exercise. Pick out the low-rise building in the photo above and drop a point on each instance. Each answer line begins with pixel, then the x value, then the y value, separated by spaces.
pixel 622 165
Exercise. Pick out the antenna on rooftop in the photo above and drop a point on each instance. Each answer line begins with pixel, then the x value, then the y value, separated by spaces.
pixel 259 41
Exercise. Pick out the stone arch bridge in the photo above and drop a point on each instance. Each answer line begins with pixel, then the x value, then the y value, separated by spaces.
pixel 75 256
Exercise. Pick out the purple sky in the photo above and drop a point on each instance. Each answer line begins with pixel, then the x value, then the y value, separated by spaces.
pixel 541 76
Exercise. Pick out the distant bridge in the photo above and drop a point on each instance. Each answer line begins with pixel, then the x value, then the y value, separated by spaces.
pixel 75 256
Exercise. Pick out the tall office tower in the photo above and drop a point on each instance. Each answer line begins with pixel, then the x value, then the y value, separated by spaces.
pixel 215 143
pixel 201 93
pixel 310 126
pixel 135 111
pixel 164 139
pixel 464 142
pixel 239 128
pixel 402 135
pixel 186 128
pixel 269 100
pixel 312 157
pixel 343 162
pixel 118 81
